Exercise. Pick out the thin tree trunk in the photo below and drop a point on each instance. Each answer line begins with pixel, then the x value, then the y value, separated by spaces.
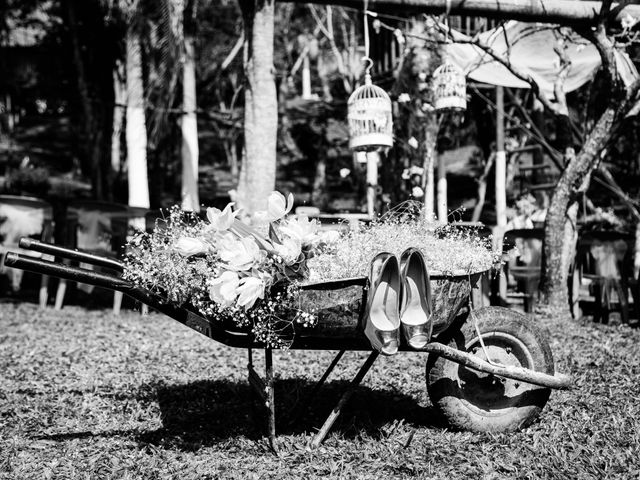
pixel 482 188
pixel 92 131
pixel 318 190
pixel 636 255
pixel 120 98
pixel 258 172
pixel 430 143
pixel 190 152
pixel 136 131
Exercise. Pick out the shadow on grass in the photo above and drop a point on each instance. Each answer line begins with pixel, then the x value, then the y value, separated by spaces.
pixel 204 413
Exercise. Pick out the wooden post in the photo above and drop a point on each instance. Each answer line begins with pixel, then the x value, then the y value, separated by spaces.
pixel 501 161
pixel 443 208
pixel 372 182
pixel 306 78
pixel 501 176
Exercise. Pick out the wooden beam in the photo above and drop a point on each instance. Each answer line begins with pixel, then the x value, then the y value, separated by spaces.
pixel 548 11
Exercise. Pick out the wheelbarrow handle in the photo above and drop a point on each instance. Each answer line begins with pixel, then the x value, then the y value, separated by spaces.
pixel 58 251
pixel 76 274
pixel 112 282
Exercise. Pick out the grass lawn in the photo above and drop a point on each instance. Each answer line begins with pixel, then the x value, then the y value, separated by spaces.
pixel 84 394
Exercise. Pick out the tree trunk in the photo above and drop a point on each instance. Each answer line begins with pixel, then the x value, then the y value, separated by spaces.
pixel 560 229
pixel 136 131
pixel 258 172
pixel 190 152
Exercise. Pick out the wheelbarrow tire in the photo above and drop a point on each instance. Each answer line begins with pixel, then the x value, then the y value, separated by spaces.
pixel 470 400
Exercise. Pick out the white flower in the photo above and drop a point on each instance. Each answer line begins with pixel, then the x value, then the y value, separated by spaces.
pixel 344 172
pixel 260 218
pixel 224 289
pixel 413 143
pixel 301 228
pixel 250 289
pixel 239 255
pixel 221 220
pixel 187 246
pixel 278 206
pixel 329 236
pixel 404 98
pixel 417 192
pixel 289 250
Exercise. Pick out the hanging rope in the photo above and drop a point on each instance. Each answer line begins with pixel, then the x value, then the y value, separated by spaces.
pixel 366 57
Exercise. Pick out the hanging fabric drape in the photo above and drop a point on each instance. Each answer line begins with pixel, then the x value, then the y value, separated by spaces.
pixel 529 48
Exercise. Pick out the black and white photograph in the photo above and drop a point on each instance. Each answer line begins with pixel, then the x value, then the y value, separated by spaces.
pixel 350 239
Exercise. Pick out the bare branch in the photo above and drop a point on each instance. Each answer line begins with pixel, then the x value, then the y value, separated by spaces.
pixel 328 33
pixel 558 86
pixel 610 183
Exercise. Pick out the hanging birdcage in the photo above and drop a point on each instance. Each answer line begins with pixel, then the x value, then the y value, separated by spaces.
pixel 370 118
pixel 449 88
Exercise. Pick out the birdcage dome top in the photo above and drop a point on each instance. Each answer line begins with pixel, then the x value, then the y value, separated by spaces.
pixel 368 91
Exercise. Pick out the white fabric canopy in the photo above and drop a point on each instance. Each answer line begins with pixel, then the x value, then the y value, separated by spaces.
pixel 530 48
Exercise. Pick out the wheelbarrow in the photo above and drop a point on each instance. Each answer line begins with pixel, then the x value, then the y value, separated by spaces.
pixel 487 369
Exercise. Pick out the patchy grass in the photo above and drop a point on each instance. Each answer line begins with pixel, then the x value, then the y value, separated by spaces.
pixel 88 395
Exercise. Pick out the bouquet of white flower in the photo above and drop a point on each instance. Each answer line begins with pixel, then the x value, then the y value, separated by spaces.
pixel 244 273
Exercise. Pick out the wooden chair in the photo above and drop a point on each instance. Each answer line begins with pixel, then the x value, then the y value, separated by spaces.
pixel 604 271
pixel 25 217
pixel 524 268
pixel 96 227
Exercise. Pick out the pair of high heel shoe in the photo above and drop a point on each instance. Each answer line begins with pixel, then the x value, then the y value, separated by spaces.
pixel 399 300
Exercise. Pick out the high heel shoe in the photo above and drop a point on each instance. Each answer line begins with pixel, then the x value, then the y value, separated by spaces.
pixel 382 315
pixel 415 312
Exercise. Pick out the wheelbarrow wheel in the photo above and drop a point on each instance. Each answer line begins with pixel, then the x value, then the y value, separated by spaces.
pixel 480 402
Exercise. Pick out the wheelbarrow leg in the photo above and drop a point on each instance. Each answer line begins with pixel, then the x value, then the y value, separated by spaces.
pixel 335 413
pixel 270 401
pixel 302 406
pixel 264 390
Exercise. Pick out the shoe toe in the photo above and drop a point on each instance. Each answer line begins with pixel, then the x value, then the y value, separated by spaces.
pixel 390 348
pixel 418 342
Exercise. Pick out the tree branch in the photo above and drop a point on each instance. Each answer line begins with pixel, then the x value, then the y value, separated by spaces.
pixel 558 86
pixel 599 38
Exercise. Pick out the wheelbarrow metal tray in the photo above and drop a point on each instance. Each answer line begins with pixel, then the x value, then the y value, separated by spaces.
pixel 338 304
